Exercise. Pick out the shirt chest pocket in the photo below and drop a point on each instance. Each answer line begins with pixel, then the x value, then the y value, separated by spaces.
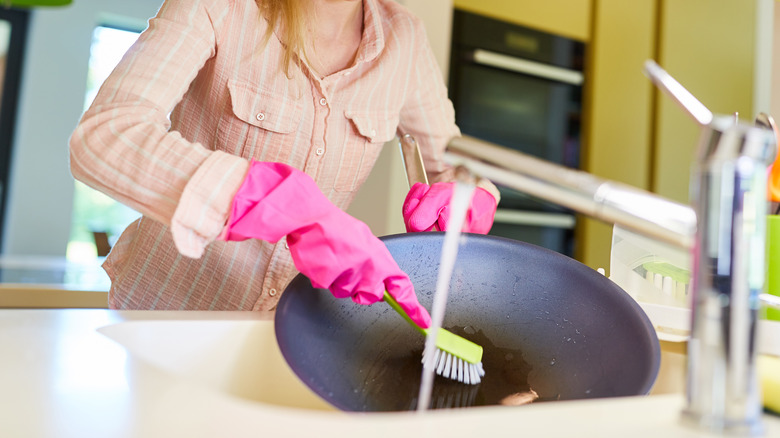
pixel 367 132
pixel 257 116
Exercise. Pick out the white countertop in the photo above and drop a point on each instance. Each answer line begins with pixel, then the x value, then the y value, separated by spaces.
pixel 52 282
pixel 60 377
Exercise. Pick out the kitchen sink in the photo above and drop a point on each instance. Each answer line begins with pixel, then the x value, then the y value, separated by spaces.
pixel 238 358
pixel 241 358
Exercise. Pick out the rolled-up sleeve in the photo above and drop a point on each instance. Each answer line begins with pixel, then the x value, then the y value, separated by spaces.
pixel 123 145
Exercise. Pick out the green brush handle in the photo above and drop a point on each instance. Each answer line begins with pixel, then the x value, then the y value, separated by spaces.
pixel 445 341
pixel 394 304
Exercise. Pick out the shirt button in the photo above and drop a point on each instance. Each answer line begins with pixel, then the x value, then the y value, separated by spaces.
pixel 320 151
pixel 272 292
pixel 373 132
pixel 323 102
pixel 260 116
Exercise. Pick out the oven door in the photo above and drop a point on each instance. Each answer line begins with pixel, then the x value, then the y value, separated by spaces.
pixel 532 114
pixel 530 106
pixel 553 231
pixel 536 116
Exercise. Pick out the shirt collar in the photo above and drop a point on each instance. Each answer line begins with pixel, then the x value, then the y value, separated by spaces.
pixel 373 41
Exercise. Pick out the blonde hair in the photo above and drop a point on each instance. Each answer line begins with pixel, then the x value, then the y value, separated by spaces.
pixel 290 16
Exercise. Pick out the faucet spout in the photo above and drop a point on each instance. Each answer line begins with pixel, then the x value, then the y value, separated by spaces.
pixel 609 201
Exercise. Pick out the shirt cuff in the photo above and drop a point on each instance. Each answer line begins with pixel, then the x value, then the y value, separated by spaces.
pixel 449 175
pixel 205 203
pixel 490 187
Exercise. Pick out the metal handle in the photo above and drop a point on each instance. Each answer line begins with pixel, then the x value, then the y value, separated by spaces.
pixel 535 218
pixel 678 93
pixel 413 162
pixel 531 68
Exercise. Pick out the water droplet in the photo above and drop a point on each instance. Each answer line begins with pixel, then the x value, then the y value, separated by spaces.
pixel 552 362
pixel 568 340
pixel 507 317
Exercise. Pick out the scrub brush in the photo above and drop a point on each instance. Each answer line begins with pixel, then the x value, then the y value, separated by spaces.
pixel 456 358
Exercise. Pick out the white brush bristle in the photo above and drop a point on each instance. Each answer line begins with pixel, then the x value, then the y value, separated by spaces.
pixel 455 368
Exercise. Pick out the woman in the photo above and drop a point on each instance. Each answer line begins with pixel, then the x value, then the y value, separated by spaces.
pixel 241 129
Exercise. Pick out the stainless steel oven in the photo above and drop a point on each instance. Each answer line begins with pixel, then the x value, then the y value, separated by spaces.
pixel 522 89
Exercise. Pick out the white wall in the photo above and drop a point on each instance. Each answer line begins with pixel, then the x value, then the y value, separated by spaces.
pixel 437 16
pixel 51 100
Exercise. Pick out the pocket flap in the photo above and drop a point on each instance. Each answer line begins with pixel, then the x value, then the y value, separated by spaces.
pixel 263 108
pixel 376 126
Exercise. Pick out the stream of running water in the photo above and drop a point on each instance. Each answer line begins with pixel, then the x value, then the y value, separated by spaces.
pixel 461 199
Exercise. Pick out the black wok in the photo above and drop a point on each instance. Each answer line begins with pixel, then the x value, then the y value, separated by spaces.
pixel 546 323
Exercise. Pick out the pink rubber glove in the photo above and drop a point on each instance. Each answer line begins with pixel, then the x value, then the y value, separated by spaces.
pixel 333 249
pixel 428 206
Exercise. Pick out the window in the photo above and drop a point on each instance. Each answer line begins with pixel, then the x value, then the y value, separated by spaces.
pixel 95 215
pixel 13 31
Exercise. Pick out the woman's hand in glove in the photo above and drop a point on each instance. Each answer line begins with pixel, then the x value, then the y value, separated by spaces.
pixel 333 249
pixel 427 207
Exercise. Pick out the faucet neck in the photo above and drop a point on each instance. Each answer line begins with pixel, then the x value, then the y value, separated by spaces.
pixel 729 194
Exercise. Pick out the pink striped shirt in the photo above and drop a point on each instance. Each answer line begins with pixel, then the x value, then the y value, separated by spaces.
pixel 201 61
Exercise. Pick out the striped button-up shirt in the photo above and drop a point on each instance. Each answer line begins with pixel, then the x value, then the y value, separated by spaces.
pixel 173 128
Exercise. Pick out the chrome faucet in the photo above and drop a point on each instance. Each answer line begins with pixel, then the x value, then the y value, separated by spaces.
pixel 729 194
pixel 724 230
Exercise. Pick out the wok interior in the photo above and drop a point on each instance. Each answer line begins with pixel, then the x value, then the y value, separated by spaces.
pixel 545 321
